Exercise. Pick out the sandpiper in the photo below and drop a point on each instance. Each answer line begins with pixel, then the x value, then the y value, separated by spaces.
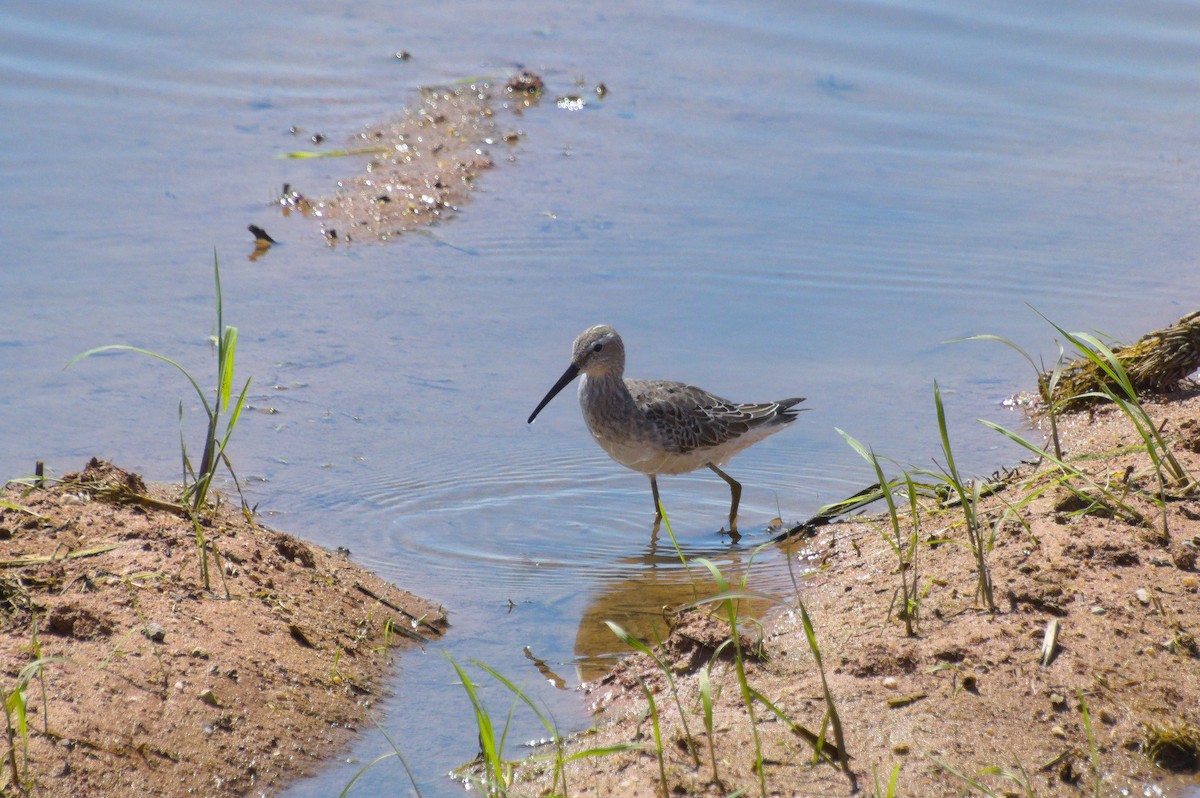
pixel 658 426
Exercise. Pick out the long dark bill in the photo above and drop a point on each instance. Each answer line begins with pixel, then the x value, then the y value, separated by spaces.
pixel 571 373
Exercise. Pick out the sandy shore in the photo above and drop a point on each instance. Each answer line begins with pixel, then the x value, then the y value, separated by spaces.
pixel 139 679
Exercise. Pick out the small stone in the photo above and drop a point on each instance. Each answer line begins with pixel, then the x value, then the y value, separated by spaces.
pixel 208 697
pixel 900 748
pixel 199 653
pixel 890 682
pixel 1058 731
pixel 1143 595
pixel 1058 700
pixel 155 632
pixel 1097 610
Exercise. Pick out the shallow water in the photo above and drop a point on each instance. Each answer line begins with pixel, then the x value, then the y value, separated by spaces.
pixel 770 200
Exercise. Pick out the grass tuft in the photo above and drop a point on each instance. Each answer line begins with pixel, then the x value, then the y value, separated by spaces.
pixel 1173 744
pixel 905 547
pixel 197 481
pixel 968 496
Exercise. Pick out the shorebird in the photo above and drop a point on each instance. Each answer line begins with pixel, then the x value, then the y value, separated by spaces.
pixel 658 426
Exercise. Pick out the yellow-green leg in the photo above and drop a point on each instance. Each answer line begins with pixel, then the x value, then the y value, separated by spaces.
pixel 735 489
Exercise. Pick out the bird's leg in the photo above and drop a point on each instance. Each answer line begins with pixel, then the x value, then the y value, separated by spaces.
pixel 657 505
pixel 735 488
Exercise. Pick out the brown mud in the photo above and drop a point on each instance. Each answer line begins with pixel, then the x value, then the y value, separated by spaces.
pixel 138 679
pixel 422 166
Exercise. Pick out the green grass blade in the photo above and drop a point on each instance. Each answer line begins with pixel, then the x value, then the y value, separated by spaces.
pixel 945 434
pixel 521 695
pixel 717 576
pixel 226 356
pixel 964 777
pixel 603 750
pixel 148 353
pixel 18 508
pixel 638 645
pixel 1066 467
pixel 235 413
pixel 362 771
pixel 483 721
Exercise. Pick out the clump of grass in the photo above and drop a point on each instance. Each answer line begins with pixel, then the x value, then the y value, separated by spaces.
pixel 497 771
pixel 16 724
pixel 1166 466
pixel 1117 387
pixel 1173 744
pixel 198 480
pixel 905 547
pixel 638 645
pixel 1093 496
pixel 1019 776
pixel 968 496
pixel 890 790
pixel 727 601
pixel 706 703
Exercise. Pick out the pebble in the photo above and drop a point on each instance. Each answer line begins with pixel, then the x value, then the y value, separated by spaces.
pixel 1143 595
pixel 1097 610
pixel 1058 731
pixel 208 697
pixel 156 632
pixel 890 682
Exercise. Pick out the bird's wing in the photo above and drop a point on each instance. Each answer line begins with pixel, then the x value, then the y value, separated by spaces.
pixel 689 418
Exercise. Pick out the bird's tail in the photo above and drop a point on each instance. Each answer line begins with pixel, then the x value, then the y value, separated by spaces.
pixel 786 411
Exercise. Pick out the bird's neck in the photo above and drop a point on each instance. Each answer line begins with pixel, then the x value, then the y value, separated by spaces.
pixel 604 388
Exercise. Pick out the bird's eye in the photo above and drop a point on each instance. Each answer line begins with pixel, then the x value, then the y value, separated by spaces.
pixel 597 347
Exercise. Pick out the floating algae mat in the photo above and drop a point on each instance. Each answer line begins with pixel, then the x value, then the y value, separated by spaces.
pixel 422 166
